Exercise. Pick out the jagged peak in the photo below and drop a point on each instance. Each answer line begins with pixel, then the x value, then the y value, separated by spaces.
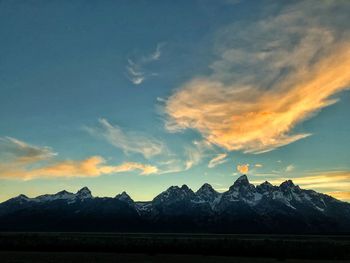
pixel 185 187
pixel 63 192
pixel 265 187
pixel 266 183
pixel 124 197
pixel 176 188
pixel 287 184
pixel 84 193
pixel 242 180
pixel 21 196
pixel 206 186
pixel 173 187
pixel 84 189
pixel 123 194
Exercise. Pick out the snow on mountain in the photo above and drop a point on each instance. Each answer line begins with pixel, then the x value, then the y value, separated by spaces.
pixel 264 207
pixel 175 194
pixel 62 195
pixel 207 193
pixel 82 194
pixel 242 191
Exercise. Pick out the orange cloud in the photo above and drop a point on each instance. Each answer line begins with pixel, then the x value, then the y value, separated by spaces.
pixel 243 168
pixel 258 93
pixel 340 195
pixel 90 167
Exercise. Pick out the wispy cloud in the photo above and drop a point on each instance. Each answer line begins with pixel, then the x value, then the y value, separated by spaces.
pixel 195 152
pixel 290 168
pixel 25 161
pixel 137 72
pixel 128 141
pixel 273 75
pixel 243 168
pixel 217 160
pixel 191 155
pixel 91 167
pixel 23 153
pixel 20 160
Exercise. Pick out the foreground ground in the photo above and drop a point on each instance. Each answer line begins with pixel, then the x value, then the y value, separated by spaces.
pixel 111 247
pixel 7 257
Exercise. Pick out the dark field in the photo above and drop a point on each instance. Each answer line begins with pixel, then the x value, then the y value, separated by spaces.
pixel 112 257
pixel 103 247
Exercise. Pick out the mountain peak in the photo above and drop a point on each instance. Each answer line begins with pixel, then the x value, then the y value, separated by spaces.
pixel 242 180
pixel 207 193
pixel 287 184
pixel 84 193
pixel 21 197
pixel 185 187
pixel 205 187
pixel 84 189
pixel 124 197
pixel 264 187
pixel 63 192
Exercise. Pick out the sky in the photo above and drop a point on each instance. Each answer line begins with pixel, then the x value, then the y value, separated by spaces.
pixel 142 95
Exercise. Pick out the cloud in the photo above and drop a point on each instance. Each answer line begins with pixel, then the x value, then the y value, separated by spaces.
pixel 193 155
pixel 290 168
pixel 217 160
pixel 129 142
pixel 136 71
pixel 243 168
pixel 258 165
pixel 91 167
pixel 345 196
pixel 271 76
pixel 23 153
pixel 20 160
pixel 135 74
pixel 156 54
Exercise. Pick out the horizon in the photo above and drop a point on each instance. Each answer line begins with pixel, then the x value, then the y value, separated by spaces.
pixel 220 191
pixel 125 96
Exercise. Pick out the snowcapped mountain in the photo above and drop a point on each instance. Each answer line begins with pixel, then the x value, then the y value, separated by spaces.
pixel 244 208
pixel 82 194
pixel 207 194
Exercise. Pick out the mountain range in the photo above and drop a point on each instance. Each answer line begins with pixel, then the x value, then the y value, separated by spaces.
pixel 243 208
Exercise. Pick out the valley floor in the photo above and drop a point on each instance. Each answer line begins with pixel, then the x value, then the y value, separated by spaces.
pixel 66 257
pixel 204 248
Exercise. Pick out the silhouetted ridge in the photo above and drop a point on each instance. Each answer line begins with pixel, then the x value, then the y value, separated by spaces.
pixel 244 208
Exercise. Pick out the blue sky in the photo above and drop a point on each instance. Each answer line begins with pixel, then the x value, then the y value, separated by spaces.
pixel 139 95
